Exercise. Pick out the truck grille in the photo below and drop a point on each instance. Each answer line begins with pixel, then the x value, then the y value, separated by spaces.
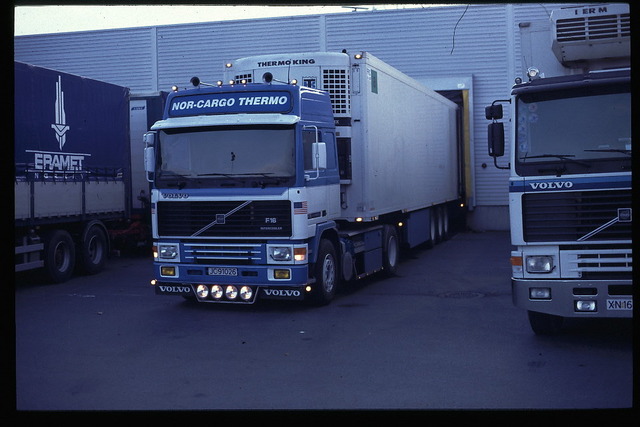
pixel 601 263
pixel 223 253
pixel 594 28
pixel 571 216
pixel 270 218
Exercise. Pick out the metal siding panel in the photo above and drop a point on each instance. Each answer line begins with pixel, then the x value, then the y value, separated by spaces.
pixel 121 57
pixel 200 50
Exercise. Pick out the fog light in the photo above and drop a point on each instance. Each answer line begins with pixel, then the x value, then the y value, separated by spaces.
pixel 167 270
pixel 282 274
pixel 246 293
pixel 231 292
pixel 540 293
pixel 202 291
pixel 586 306
pixel 216 292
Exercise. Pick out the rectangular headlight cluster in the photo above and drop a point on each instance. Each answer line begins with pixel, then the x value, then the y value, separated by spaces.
pixel 539 264
pixel 166 252
pixel 286 254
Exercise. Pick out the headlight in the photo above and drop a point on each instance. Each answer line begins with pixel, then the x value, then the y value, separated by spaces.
pixel 216 291
pixel 281 253
pixel 168 252
pixel 539 264
pixel 202 291
pixel 246 293
pixel 231 292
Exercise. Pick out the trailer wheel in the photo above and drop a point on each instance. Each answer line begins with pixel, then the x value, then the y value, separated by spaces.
pixel 545 324
pixel 390 250
pixel 433 227
pixel 59 256
pixel 444 223
pixel 93 250
pixel 326 274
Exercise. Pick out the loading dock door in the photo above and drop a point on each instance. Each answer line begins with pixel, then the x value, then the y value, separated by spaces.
pixel 459 90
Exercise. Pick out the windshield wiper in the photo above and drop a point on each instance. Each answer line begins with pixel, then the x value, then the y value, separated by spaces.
pixel 242 177
pixel 231 175
pixel 564 157
pixel 611 150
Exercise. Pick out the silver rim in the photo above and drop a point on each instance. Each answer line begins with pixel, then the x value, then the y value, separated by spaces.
pixel 328 273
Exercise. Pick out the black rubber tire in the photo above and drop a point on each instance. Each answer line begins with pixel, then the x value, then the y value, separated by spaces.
pixel 326 274
pixel 94 250
pixel 390 250
pixel 59 256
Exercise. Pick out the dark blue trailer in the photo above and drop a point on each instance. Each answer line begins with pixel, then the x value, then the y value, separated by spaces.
pixel 72 169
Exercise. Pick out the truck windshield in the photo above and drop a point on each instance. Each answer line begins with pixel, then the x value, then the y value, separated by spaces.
pixel 574 131
pixel 230 153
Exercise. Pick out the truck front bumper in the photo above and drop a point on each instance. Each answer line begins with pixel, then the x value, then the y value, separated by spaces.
pixel 575 298
pixel 232 284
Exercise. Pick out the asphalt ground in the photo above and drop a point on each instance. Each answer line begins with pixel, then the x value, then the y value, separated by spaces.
pixel 441 335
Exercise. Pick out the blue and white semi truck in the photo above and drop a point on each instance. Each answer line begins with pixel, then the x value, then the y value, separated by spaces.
pixel 570 192
pixel 295 173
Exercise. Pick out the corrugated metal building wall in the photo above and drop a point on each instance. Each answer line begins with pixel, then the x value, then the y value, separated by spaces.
pixel 478 44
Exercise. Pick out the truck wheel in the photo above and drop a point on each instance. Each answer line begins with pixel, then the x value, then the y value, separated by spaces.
pixel 433 228
pixel 545 324
pixel 93 250
pixel 326 274
pixel 390 250
pixel 59 256
pixel 444 221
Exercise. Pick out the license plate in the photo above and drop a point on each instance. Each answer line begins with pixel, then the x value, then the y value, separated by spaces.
pixel 222 271
pixel 620 304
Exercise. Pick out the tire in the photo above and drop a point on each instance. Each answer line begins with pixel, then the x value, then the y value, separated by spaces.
pixel 433 228
pixel 94 249
pixel 444 220
pixel 59 256
pixel 545 324
pixel 326 274
pixel 390 250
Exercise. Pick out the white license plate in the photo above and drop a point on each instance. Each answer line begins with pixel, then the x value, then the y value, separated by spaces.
pixel 620 304
pixel 222 271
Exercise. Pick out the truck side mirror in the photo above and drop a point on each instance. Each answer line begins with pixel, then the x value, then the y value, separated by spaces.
pixel 493 112
pixel 149 139
pixel 496 139
pixel 150 162
pixel 319 153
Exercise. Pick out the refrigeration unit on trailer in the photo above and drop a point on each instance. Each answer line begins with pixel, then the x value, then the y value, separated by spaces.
pixel 570 192
pixel 294 173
